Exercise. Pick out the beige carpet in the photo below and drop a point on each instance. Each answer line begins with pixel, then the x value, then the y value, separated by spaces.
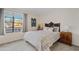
pixel 21 45
pixel 63 47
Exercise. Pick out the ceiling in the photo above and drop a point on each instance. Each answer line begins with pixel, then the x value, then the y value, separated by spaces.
pixel 35 11
pixel 44 11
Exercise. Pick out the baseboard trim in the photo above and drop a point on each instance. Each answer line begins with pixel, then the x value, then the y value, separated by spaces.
pixel 10 42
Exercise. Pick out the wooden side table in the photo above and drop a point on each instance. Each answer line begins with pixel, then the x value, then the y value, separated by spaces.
pixel 66 37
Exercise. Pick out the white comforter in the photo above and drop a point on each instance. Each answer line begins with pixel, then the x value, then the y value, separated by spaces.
pixel 41 39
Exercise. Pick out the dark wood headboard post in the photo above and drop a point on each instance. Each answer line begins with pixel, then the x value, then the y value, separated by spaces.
pixel 51 24
pixel 57 25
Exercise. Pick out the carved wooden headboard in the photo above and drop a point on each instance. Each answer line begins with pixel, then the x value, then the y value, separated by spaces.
pixel 51 24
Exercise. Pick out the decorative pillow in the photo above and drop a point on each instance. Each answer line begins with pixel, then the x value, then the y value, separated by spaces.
pixel 56 29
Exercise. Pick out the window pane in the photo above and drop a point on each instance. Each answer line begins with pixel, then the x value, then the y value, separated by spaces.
pixel 18 23
pixel 8 23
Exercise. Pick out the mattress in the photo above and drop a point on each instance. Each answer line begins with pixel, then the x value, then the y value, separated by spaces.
pixel 35 37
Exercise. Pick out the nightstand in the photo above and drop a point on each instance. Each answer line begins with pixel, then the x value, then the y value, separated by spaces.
pixel 66 37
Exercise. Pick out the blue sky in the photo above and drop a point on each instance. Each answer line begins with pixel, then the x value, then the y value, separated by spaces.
pixel 11 17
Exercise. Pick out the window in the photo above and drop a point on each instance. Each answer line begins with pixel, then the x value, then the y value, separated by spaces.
pixel 13 23
pixel 8 24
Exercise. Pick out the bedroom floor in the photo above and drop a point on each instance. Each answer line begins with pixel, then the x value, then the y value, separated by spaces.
pixel 22 46
pixel 63 47
pixel 19 45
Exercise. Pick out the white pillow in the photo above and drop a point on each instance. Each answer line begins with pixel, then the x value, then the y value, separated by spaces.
pixel 46 28
pixel 50 29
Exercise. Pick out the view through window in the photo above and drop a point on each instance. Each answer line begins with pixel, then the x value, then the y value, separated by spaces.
pixel 13 23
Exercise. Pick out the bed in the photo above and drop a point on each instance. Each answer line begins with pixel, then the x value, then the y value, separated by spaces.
pixel 41 40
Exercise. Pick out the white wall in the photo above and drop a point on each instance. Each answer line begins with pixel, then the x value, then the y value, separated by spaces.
pixel 9 37
pixel 67 18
